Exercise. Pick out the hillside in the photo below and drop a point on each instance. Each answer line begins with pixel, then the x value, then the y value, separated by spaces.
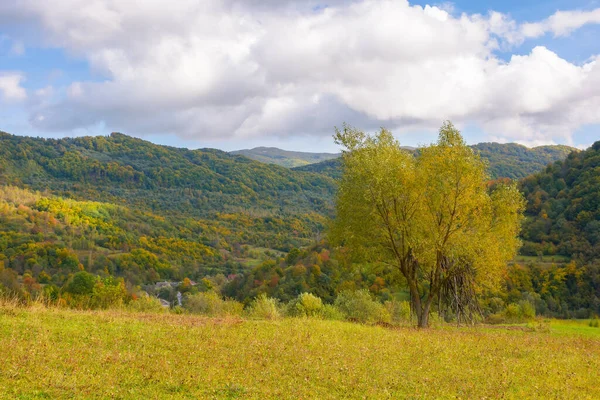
pixel 124 206
pixel 511 160
pixel 331 168
pixel 505 160
pixel 120 168
pixel 289 159
pixel 563 207
pixel 132 356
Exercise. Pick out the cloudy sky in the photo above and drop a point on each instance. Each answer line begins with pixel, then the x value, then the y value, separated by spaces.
pixel 233 74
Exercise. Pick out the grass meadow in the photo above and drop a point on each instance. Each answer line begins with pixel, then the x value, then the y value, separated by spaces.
pixel 58 353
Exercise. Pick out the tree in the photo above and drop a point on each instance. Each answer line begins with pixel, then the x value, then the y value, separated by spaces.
pixel 82 283
pixel 432 216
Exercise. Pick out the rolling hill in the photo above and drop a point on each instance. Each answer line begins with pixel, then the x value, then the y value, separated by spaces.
pixel 515 161
pixel 141 174
pixel 563 207
pixel 124 206
pixel 508 160
pixel 289 159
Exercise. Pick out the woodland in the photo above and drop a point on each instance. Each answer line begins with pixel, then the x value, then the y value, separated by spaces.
pixel 93 221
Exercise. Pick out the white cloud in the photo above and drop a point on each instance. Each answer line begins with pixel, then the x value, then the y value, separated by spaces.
pixel 10 86
pixel 248 68
pixel 562 23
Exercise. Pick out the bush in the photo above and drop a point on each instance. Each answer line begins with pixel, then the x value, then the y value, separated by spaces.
pixel 146 304
pixel 109 293
pixel 178 310
pixel 305 305
pixel 495 319
pixel 526 310
pixel 264 307
pixel 514 313
pixel 594 322
pixel 332 313
pixel 495 305
pixel 211 304
pixel 399 310
pixel 360 307
pixel 82 283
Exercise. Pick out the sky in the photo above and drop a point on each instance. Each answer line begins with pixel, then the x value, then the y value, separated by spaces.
pixel 235 74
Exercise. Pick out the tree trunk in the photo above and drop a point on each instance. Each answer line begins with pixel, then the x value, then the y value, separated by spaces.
pixel 424 319
pixel 415 298
pixel 421 306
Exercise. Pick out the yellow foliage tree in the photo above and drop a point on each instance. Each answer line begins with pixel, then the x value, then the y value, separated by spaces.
pixel 432 216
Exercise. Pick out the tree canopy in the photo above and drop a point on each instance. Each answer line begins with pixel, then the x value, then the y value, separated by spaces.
pixel 434 216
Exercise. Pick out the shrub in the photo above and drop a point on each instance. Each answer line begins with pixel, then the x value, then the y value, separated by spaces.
pixel 305 305
pixel 399 310
pixel 522 312
pixel 331 312
pixel 512 312
pixel 264 307
pixel 360 307
pixel 495 319
pixel 82 283
pixel 495 305
pixel 211 304
pixel 594 322
pixel 109 293
pixel 146 303
pixel 178 310
pixel 526 310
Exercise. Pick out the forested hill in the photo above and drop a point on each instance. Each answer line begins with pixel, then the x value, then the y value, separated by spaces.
pixel 289 159
pixel 330 168
pixel 123 169
pixel 508 160
pixel 511 160
pixel 122 206
pixel 563 206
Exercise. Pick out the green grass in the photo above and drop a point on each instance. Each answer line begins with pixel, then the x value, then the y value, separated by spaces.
pixel 574 327
pixel 53 353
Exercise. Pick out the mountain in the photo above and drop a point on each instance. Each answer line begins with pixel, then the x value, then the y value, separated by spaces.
pixel 509 160
pixel 289 159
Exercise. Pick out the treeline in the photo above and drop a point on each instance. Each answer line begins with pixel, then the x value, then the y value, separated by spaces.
pixel 560 290
pixel 568 290
pixel 505 160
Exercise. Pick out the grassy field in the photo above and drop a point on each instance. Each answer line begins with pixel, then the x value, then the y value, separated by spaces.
pixel 53 353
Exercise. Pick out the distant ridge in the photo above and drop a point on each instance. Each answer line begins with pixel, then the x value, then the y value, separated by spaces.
pixel 289 159
pixel 506 160
pixel 515 161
